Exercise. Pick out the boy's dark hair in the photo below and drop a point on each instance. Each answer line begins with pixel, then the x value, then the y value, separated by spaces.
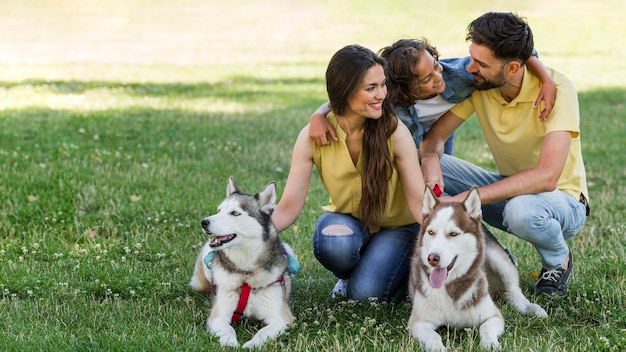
pixel 402 78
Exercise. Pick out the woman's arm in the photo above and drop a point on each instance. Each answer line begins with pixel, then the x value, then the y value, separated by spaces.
pixel 547 93
pixel 297 187
pixel 408 165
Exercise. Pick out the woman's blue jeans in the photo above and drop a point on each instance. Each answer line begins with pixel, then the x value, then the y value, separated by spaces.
pixel 376 265
pixel 546 219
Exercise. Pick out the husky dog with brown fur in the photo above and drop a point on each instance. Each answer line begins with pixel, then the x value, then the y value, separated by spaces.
pixel 454 269
pixel 244 248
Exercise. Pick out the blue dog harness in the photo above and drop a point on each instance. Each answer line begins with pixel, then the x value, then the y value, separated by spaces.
pixel 293 267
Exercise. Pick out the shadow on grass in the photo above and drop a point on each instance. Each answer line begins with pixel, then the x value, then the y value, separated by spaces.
pixel 241 85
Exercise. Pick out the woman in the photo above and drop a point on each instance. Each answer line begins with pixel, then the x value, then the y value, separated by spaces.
pixel 366 234
pixel 422 88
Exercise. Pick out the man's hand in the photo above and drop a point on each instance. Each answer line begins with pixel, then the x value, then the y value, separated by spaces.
pixel 431 169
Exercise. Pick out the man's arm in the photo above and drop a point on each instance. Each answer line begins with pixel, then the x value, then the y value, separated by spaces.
pixel 319 126
pixel 542 178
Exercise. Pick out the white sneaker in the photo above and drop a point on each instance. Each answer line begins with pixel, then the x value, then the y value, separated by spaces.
pixel 340 289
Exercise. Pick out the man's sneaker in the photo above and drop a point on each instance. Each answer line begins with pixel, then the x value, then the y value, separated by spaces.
pixel 554 281
pixel 340 290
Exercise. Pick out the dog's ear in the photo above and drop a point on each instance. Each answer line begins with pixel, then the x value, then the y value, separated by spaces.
pixel 429 201
pixel 267 198
pixel 232 187
pixel 472 204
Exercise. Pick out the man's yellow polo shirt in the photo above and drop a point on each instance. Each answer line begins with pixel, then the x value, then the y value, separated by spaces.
pixel 343 181
pixel 515 134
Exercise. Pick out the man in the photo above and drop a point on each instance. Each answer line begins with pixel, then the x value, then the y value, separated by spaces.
pixel 539 193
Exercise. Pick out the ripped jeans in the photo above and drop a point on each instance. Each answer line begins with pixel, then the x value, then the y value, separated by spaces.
pixel 377 265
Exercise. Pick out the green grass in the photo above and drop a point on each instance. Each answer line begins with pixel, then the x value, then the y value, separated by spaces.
pixel 120 124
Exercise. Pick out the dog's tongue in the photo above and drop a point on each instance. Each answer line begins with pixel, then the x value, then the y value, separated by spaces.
pixel 220 240
pixel 437 277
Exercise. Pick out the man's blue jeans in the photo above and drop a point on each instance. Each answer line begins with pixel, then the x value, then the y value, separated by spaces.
pixel 377 265
pixel 546 220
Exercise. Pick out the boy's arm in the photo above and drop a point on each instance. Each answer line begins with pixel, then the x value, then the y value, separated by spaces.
pixel 319 126
pixel 547 93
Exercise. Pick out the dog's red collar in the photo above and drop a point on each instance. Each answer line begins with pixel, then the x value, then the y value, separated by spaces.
pixel 243 300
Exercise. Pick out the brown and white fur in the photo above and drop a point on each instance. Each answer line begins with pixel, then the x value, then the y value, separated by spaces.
pixel 454 269
pixel 246 249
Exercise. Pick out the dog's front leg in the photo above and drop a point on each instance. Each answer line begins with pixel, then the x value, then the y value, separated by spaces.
pixel 277 322
pixel 426 334
pixel 490 330
pixel 266 333
pixel 219 320
pixel 222 329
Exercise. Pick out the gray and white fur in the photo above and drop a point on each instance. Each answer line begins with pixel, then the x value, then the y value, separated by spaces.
pixel 246 249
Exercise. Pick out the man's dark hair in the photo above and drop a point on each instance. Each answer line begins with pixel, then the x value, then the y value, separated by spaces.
pixel 507 35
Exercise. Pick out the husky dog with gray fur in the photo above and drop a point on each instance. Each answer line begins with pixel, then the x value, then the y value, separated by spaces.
pixel 454 269
pixel 246 249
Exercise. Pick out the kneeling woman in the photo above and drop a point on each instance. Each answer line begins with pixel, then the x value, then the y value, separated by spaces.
pixel 372 174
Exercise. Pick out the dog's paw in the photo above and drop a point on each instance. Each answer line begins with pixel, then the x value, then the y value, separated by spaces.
pixel 229 341
pixel 490 345
pixel 435 348
pixel 534 310
pixel 432 342
pixel 254 343
pixel 424 333
pixel 223 330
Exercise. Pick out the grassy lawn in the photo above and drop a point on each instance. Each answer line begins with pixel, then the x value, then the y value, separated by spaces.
pixel 120 122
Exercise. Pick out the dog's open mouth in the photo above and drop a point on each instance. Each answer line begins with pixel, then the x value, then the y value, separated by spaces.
pixel 438 275
pixel 219 241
